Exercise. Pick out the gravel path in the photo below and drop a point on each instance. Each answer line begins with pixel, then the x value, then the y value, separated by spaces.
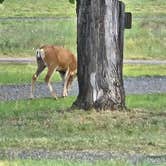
pixel 86 155
pixel 133 85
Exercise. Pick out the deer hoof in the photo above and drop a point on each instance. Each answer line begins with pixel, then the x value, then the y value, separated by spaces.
pixel 31 96
pixel 64 94
pixel 54 95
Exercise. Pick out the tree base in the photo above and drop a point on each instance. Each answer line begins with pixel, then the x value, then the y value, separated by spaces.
pixel 82 105
pixel 104 103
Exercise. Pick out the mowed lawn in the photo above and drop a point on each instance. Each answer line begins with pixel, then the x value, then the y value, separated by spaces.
pixel 42 8
pixel 37 8
pixel 19 38
pixel 22 73
pixel 49 124
pixel 149 8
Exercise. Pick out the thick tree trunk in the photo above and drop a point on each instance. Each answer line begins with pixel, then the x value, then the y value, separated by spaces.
pixel 100 29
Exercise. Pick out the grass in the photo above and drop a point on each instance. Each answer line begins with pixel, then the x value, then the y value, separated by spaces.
pixel 137 70
pixel 19 38
pixel 154 102
pixel 39 8
pixel 146 7
pixel 68 163
pixel 19 74
pixel 42 123
pixel 29 8
pixel 146 39
pixel 22 73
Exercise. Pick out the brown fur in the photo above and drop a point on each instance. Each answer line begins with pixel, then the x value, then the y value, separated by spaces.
pixel 56 59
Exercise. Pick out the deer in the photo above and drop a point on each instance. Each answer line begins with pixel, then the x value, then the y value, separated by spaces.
pixel 55 58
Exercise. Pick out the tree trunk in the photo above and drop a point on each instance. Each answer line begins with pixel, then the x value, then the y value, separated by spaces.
pixel 100 29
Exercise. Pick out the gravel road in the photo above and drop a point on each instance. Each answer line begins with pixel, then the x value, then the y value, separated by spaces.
pixel 86 155
pixel 133 85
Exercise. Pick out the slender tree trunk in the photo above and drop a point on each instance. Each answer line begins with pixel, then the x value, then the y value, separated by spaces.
pixel 100 29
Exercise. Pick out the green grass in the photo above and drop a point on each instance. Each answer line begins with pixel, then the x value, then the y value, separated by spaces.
pixel 137 70
pixel 22 74
pixel 150 102
pixel 37 8
pixel 20 38
pixel 29 8
pixel 68 163
pixel 146 39
pixel 42 123
pixel 19 74
pixel 146 7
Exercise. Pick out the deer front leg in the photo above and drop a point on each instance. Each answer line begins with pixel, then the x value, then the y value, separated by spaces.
pixel 47 80
pixel 34 78
pixel 40 68
pixel 70 80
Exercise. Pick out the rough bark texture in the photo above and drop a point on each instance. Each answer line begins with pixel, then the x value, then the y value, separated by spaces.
pixel 100 29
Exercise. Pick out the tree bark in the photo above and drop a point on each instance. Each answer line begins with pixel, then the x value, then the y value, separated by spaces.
pixel 100 29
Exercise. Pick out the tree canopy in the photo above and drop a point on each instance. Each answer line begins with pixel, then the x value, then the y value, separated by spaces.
pixel 1 1
pixel 72 1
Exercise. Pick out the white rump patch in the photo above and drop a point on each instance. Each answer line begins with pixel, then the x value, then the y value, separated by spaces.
pixel 40 53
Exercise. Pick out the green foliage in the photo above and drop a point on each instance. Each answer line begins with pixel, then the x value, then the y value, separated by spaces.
pixel 72 1
pixel 1 1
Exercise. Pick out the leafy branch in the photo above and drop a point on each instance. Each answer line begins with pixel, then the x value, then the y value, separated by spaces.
pixel 72 1
pixel 1 1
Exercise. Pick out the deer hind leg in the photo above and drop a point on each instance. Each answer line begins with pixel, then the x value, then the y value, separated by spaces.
pixel 40 68
pixel 69 82
pixel 66 78
pixel 50 72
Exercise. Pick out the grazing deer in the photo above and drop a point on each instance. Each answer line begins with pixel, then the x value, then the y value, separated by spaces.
pixel 55 58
